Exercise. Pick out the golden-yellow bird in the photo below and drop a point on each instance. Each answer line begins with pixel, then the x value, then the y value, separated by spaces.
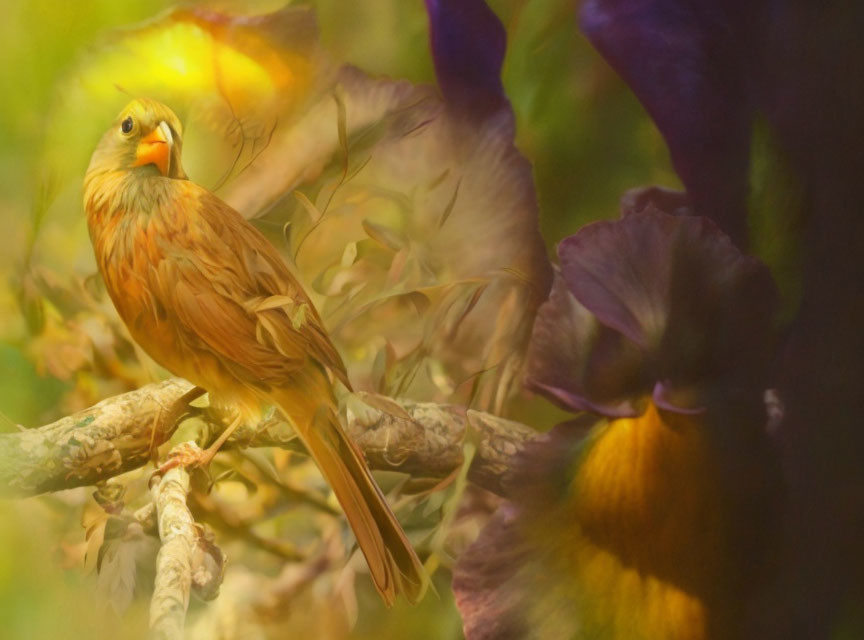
pixel 210 299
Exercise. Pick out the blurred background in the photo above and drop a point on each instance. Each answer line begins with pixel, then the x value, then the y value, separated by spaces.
pixel 586 136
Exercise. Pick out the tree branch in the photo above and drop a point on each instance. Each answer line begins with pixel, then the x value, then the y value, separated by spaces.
pixel 430 445
pixel 114 436
pixel 187 559
pixel 174 562
pixel 121 433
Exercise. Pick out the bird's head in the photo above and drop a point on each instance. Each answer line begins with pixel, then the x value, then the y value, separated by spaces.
pixel 145 138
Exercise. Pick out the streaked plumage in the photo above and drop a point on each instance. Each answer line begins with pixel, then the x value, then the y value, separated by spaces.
pixel 210 299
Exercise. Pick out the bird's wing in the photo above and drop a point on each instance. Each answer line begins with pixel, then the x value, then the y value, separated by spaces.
pixel 230 286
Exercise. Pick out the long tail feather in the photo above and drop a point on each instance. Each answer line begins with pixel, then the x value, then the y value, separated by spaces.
pixel 392 561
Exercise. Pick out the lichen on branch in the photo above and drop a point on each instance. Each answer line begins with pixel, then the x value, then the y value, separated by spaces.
pixel 114 436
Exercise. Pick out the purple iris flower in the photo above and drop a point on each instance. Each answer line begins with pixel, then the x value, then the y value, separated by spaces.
pixel 706 71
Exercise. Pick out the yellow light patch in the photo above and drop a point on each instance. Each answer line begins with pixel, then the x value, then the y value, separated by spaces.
pixel 186 62
pixel 212 70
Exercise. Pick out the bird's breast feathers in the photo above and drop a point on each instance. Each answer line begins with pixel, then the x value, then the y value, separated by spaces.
pixel 203 292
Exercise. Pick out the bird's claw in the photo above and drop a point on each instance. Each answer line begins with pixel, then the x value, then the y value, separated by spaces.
pixel 186 454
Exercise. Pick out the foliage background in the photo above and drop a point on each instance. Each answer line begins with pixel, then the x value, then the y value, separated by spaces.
pixel 586 135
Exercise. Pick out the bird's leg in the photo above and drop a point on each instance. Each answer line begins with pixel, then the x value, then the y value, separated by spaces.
pixel 185 454
pixel 155 427
pixel 213 449
pixel 189 454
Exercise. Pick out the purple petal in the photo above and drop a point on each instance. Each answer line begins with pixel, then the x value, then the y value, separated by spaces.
pixel 699 310
pixel 579 402
pixel 468 44
pixel 620 271
pixel 664 397
pixel 516 580
pixel 489 605
pixel 579 365
pixel 722 307
pixel 682 63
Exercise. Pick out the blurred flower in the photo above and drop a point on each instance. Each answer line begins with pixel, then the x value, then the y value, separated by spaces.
pixel 634 530
pixel 407 213
pixel 720 78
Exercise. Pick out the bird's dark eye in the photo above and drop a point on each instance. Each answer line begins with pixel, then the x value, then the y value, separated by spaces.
pixel 126 125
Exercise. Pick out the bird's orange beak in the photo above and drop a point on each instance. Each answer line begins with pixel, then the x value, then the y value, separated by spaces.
pixel 155 148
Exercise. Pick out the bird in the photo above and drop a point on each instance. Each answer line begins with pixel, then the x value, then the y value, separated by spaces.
pixel 210 299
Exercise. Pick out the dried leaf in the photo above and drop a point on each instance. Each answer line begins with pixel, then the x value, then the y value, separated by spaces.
pixel 387 237
pixel 385 404
pixel 350 254
pixel 124 549
pixel 469 306
pixel 309 206
pixel 439 376
pixel 382 364
pixel 298 315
